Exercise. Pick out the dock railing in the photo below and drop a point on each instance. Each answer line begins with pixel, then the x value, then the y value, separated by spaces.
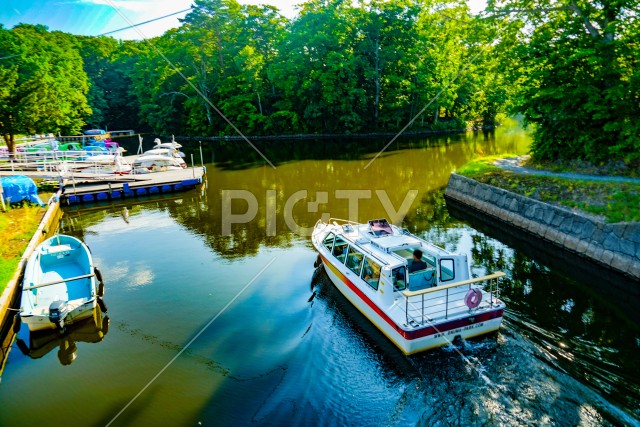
pixel 440 302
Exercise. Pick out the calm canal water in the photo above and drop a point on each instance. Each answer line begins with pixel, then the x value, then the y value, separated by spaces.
pixel 234 329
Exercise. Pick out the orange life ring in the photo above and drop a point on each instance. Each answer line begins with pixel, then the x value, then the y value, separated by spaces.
pixel 473 298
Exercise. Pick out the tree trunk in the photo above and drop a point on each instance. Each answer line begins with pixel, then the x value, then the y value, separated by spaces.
pixel 9 139
pixel 259 102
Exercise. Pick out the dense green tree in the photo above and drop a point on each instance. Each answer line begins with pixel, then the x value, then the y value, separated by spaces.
pixel 338 67
pixel 576 64
pixel 43 83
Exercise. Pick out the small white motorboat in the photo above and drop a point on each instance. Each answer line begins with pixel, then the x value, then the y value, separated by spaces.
pixel 418 294
pixel 60 285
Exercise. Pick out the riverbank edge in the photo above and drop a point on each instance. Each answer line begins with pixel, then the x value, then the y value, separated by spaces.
pixel 48 224
pixel 614 246
pixel 284 137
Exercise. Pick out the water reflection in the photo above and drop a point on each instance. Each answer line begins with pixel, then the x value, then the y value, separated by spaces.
pixel 419 165
pixel 39 343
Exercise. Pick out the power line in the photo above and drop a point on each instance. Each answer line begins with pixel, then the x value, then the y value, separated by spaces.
pixel 145 22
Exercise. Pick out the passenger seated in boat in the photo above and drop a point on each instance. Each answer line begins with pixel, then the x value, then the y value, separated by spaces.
pixel 417 264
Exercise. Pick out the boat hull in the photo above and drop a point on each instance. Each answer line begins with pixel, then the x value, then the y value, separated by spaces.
pixel 41 322
pixel 414 340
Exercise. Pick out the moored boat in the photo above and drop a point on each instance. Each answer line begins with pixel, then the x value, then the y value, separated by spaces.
pixel 155 163
pixel 60 284
pixel 416 293
pixel 113 163
pixel 171 153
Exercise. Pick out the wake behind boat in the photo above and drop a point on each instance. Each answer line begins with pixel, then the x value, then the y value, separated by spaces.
pixel 419 295
pixel 59 285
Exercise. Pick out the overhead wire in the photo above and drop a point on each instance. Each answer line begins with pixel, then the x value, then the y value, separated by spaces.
pixel 145 22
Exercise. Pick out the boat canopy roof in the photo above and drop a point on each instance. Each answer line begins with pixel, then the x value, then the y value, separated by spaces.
pixel 390 244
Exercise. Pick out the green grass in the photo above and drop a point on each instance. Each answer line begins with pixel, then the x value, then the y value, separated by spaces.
pixel 613 201
pixel 479 167
pixel 17 225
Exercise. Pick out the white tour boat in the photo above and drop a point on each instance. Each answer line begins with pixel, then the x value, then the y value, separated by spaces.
pixel 417 304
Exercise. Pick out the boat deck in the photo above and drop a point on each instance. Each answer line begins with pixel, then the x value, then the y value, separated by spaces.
pixel 78 291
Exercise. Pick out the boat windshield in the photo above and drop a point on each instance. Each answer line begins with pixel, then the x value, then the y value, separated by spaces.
pixel 399 276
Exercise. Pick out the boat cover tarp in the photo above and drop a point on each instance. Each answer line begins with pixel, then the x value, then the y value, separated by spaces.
pixel 18 188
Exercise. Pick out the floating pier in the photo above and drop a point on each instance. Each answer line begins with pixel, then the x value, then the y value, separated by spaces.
pixel 90 188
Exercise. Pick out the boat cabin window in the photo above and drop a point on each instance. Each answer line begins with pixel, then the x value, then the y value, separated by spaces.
pixel 399 276
pixel 447 270
pixel 371 273
pixel 354 260
pixel 340 248
pixel 328 241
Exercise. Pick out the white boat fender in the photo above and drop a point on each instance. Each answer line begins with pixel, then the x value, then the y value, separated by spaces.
pixel 102 305
pixel 473 297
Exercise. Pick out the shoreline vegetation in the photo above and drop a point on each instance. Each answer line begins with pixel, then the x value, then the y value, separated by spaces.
pixel 593 196
pixel 17 226
pixel 342 68
pixel 293 136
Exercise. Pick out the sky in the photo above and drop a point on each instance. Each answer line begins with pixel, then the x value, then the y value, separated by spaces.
pixel 96 17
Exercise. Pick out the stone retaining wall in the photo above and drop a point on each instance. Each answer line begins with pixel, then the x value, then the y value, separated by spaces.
pixel 616 246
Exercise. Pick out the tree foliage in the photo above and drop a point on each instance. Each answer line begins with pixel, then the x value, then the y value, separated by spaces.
pixel 42 83
pixel 576 63
pixel 569 66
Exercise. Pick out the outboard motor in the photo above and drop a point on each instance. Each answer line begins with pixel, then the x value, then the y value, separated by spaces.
pixel 58 311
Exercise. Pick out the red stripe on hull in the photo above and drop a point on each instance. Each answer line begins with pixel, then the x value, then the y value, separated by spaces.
pixel 418 333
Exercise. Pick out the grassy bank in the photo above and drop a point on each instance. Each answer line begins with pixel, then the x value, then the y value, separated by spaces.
pixel 612 201
pixel 17 226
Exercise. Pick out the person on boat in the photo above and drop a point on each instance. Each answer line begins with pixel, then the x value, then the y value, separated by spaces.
pixel 417 264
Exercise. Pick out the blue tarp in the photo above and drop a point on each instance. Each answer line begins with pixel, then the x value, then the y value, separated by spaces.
pixel 17 188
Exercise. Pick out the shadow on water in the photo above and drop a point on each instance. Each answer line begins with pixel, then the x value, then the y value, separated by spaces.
pixel 613 288
pixel 582 318
pixel 497 378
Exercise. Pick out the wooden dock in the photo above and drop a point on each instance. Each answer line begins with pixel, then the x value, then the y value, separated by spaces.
pixel 79 187
pixel 88 188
